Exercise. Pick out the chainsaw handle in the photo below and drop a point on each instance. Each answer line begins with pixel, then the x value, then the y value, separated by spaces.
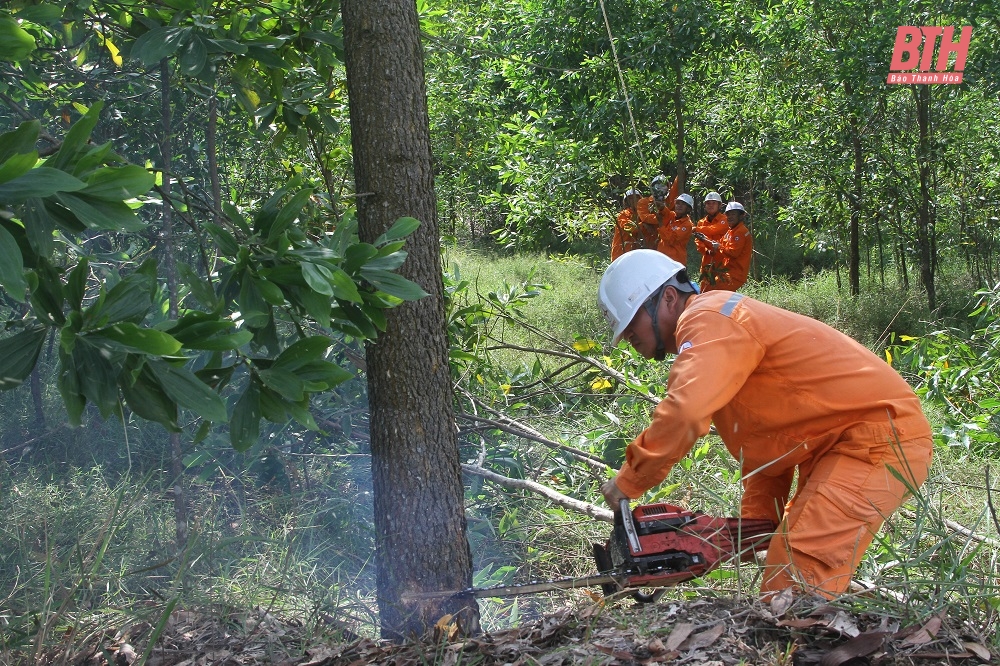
pixel 628 522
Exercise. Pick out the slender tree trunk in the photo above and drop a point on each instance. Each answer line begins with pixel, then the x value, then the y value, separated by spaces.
pixel 679 122
pixel 213 158
pixel 904 276
pixel 170 268
pixel 881 251
pixel 421 544
pixel 857 196
pixel 925 223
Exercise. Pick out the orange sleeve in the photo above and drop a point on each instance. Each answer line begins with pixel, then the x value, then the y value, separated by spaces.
pixel 735 246
pixel 718 357
pixel 617 242
pixel 647 212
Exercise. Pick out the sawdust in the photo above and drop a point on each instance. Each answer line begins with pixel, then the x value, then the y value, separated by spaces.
pixel 703 632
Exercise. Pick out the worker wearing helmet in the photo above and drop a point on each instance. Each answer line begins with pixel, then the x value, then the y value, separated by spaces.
pixel 732 253
pixel 787 394
pixel 630 233
pixel 656 211
pixel 676 233
pixel 709 230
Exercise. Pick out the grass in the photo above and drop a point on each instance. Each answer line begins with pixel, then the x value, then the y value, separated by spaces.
pixel 84 547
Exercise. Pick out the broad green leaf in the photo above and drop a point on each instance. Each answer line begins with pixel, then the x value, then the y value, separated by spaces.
pixel 401 228
pixel 41 14
pixel 283 382
pixel 394 285
pixel 302 352
pixel 194 55
pixel 255 310
pixel 46 293
pixel 226 46
pixel 221 342
pixel 200 288
pixel 158 43
pixel 344 287
pixel 70 391
pixel 129 299
pixel 189 392
pixel 97 376
pixel 76 284
pixel 98 214
pixel 19 141
pixel 244 426
pixel 146 340
pixel 287 214
pixel 11 267
pixel 20 353
pixel 40 182
pixel 358 255
pixel 270 291
pixel 118 183
pixel 146 398
pixel 15 42
pixel 318 278
pixel 322 375
pixel 18 165
pixel 226 241
pixel 216 378
pixel 76 138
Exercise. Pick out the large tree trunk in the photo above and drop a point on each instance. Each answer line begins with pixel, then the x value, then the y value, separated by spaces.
pixel 421 543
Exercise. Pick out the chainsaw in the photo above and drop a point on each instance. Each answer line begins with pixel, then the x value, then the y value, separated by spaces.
pixel 655 546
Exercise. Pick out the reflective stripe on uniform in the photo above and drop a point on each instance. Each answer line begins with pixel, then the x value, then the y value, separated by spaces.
pixel 730 305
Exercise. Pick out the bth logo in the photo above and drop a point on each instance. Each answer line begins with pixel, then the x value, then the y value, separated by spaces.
pixel 914 52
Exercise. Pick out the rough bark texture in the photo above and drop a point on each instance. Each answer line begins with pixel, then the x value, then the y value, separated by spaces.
pixel 419 498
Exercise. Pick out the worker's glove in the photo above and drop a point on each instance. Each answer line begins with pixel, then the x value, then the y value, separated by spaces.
pixel 612 493
pixel 715 246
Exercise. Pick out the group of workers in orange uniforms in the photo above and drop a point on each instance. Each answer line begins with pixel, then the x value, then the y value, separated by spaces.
pixel 662 222
pixel 787 394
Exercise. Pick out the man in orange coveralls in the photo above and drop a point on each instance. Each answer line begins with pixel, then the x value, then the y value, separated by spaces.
pixel 709 229
pixel 630 234
pixel 675 234
pixel 784 391
pixel 657 212
pixel 729 257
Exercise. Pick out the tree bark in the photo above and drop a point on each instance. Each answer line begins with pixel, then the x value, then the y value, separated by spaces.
pixel 176 455
pixel 925 224
pixel 421 543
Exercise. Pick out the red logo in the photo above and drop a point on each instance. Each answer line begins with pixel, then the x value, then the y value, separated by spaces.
pixel 914 52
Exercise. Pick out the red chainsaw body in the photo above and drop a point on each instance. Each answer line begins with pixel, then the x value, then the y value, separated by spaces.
pixel 660 545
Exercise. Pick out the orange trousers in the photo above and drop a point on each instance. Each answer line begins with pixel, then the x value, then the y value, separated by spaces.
pixel 836 512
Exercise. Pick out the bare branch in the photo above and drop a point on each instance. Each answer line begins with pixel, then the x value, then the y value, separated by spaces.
pixel 554 496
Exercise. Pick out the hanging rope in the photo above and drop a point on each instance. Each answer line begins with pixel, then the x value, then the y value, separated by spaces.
pixel 621 81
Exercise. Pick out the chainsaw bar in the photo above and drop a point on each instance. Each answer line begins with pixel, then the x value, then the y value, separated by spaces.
pixel 545 586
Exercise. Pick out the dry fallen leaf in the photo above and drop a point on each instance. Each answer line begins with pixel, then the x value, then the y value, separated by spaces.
pixel 679 635
pixel 978 650
pixel 926 633
pixel 782 601
pixel 859 646
pixel 705 638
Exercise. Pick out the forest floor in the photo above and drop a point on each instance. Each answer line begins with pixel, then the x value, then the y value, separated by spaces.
pixel 704 632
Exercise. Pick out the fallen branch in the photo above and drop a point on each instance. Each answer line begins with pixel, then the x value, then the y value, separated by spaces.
pixel 956 527
pixel 554 496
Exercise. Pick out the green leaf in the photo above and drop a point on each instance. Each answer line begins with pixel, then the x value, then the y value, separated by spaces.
pixel 146 398
pixel 318 277
pixel 182 386
pixel 100 214
pixel 11 267
pixel 221 342
pixel 283 382
pixel 344 287
pixel 146 340
pixel 20 141
pixel 322 375
pixel 302 352
pixel 158 43
pixel 18 165
pixel 194 55
pixel 97 376
pixel 254 309
pixel 119 183
pixel 76 138
pixel 41 14
pixel 401 228
pixel 76 284
pixel 225 240
pixel 38 227
pixel 129 299
pixel 40 182
pixel 200 288
pixel 20 353
pixel 287 214
pixel 394 285
pixel 15 43
pixel 244 426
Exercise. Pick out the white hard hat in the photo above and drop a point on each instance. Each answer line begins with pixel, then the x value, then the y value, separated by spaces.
pixel 735 205
pixel 633 193
pixel 660 178
pixel 713 196
pixel 686 198
pixel 630 280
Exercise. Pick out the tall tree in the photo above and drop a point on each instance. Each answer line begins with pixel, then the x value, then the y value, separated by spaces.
pixel 421 543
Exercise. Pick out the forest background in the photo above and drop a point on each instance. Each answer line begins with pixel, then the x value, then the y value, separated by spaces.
pixel 168 273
